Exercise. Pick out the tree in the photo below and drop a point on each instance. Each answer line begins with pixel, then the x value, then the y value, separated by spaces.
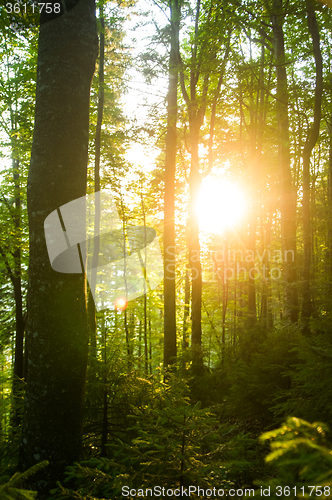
pixel 57 333
pixel 18 78
pixel 170 165
pixel 210 47
pixel 288 192
pixel 101 97
pixel 308 147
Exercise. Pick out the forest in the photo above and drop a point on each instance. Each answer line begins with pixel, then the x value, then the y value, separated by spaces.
pixel 165 249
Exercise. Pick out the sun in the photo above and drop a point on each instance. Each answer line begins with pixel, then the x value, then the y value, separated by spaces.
pixel 120 303
pixel 221 205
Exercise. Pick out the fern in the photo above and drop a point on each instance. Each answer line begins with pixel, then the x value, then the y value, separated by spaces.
pixel 301 453
pixel 10 490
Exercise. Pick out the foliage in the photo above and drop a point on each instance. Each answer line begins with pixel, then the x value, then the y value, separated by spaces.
pixel 175 443
pixel 9 489
pixel 173 440
pixel 308 395
pixel 261 375
pixel 302 455
pixel 259 368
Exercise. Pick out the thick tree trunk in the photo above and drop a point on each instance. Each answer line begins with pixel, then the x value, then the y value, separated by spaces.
pixel 57 325
pixel 288 193
pixel 170 164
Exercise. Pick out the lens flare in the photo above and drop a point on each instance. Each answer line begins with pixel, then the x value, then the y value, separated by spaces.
pixel 120 303
pixel 221 205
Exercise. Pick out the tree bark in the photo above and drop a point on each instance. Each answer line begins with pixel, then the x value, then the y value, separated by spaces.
pixel 196 99
pixel 145 298
pixel 308 147
pixel 329 198
pixel 91 303
pixel 252 309
pixel 186 311
pixel 288 193
pixel 17 285
pixel 15 272
pixel 196 116
pixel 57 330
pixel 17 279
pixel 194 246
pixel 169 207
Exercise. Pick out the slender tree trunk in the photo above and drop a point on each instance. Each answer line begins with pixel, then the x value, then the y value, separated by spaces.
pixel 194 248
pixel 125 317
pixel 186 310
pixel 91 303
pixel 146 347
pixel 92 322
pixel 150 344
pixel 139 345
pixel 235 310
pixel 196 110
pixel 104 433
pixel 196 116
pixel 266 312
pixel 263 311
pixel 17 276
pixel 224 310
pixel 145 298
pixel 128 346
pixel 16 271
pixel 57 325
pixel 288 193
pixel 252 314
pixel 17 285
pixel 169 202
pixel 329 198
pixel 308 147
